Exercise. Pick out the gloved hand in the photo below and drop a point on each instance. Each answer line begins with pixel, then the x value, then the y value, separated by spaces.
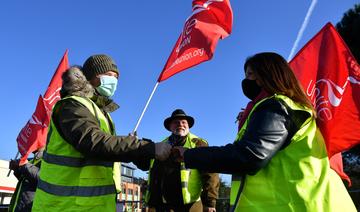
pixel 178 153
pixel 14 164
pixel 162 151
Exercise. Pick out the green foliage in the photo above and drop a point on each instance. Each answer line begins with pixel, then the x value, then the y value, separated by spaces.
pixel 349 29
pixel 351 161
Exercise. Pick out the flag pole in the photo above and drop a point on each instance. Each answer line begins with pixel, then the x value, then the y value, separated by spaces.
pixel 16 156
pixel 146 105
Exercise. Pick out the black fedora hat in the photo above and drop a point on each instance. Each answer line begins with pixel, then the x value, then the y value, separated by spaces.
pixel 178 114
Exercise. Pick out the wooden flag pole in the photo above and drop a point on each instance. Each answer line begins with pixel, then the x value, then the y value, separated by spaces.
pixel 146 105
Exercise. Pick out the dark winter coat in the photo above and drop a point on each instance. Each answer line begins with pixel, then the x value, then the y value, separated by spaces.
pixel 79 127
pixel 27 176
pixel 257 146
pixel 165 181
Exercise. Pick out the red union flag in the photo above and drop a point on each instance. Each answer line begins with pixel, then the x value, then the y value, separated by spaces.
pixel 33 134
pixel 52 94
pixel 331 78
pixel 209 21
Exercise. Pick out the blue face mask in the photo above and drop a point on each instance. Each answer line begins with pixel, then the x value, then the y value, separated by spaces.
pixel 107 85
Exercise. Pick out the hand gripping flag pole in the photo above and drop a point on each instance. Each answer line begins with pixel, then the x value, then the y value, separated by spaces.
pixel 209 21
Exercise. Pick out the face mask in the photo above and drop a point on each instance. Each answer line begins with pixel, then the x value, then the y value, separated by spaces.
pixel 107 85
pixel 250 88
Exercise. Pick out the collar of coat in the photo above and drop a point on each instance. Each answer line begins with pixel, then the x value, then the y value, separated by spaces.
pixel 75 83
pixel 106 104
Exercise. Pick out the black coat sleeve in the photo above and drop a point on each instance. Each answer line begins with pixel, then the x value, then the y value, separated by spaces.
pixel 142 163
pixel 80 128
pixel 267 133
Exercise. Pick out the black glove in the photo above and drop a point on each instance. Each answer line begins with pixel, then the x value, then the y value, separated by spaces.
pixel 14 164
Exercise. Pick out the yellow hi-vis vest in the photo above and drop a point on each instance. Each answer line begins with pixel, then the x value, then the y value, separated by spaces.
pixel 71 182
pixel 298 178
pixel 191 183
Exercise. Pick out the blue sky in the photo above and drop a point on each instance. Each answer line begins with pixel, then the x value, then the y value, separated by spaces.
pixel 140 35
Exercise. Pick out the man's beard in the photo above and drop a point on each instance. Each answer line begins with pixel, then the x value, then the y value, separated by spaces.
pixel 182 132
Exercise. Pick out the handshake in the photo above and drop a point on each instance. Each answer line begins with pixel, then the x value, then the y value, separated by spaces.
pixel 163 151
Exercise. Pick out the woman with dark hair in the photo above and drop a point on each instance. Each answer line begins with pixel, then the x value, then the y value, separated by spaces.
pixel 278 161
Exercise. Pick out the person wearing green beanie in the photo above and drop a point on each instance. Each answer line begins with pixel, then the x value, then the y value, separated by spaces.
pixel 81 169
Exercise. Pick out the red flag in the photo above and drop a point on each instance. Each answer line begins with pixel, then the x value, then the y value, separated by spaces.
pixel 331 78
pixel 33 134
pixel 52 94
pixel 336 164
pixel 209 21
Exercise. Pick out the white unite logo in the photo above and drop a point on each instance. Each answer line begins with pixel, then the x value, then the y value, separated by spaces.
pixel 49 102
pixel 190 23
pixel 324 101
pixel 53 97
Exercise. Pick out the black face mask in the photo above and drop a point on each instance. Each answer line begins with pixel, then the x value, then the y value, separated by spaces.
pixel 250 88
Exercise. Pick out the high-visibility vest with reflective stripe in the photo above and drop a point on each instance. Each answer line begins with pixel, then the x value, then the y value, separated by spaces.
pixel 298 178
pixel 191 183
pixel 71 182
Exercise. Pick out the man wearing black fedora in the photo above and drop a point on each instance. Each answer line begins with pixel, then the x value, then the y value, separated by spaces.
pixel 172 187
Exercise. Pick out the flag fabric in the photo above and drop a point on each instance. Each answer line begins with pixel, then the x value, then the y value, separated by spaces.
pixel 34 130
pixel 33 134
pixel 209 21
pixel 52 94
pixel 336 164
pixel 330 77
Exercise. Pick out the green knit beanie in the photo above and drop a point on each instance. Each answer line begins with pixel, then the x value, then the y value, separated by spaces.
pixel 98 64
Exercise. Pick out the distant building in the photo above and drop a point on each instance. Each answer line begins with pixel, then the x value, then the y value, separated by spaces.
pixel 7 184
pixel 130 197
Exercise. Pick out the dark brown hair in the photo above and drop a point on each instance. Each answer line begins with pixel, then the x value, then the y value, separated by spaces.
pixel 276 76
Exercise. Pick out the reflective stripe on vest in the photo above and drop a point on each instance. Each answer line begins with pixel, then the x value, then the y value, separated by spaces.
pixel 80 191
pixel 191 183
pixel 73 162
pixel 68 175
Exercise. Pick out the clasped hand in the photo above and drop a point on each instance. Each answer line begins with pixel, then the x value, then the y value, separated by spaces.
pixel 164 150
